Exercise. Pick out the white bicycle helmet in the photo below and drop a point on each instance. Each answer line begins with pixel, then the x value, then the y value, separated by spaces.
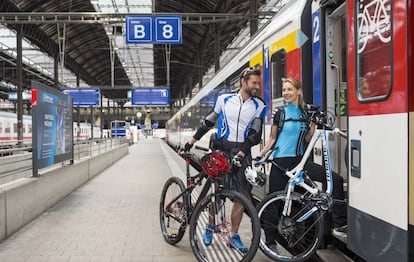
pixel 255 177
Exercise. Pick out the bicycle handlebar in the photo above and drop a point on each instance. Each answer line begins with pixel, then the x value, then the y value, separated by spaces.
pixel 202 148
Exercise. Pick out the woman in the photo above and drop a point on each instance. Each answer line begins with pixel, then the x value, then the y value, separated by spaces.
pixel 291 130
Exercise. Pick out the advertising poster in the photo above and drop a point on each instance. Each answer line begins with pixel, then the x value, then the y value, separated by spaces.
pixel 52 126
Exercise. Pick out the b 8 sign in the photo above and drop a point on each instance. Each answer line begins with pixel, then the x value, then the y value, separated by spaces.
pixel 154 29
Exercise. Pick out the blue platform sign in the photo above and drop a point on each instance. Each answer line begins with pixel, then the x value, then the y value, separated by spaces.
pixel 150 96
pixel 83 96
pixel 139 29
pixel 168 30
pixel 153 30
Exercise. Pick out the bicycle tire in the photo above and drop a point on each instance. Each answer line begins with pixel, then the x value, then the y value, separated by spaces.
pixel 296 241
pixel 173 230
pixel 220 249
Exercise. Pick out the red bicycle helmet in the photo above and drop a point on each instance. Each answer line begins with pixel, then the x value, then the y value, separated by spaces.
pixel 215 163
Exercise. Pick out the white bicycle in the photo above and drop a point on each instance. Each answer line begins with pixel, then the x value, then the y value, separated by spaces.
pixel 296 219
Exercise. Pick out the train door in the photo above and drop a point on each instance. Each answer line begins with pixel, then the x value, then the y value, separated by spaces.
pixel 378 129
pixel 335 101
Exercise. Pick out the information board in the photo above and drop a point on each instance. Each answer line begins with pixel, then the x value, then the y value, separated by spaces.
pixel 84 96
pixel 52 138
pixel 150 96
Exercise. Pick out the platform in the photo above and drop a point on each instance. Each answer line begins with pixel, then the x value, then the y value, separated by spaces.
pixel 113 217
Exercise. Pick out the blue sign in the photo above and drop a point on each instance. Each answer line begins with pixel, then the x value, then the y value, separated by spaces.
pixel 316 48
pixel 139 29
pixel 26 95
pixel 84 96
pixel 153 30
pixel 168 30
pixel 150 96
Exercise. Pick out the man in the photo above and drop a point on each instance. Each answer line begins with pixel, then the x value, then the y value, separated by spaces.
pixel 239 120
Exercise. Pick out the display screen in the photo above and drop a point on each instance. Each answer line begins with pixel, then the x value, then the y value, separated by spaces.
pixel 150 96
pixel 84 96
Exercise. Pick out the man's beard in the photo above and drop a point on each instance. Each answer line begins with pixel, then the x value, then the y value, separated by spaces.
pixel 252 92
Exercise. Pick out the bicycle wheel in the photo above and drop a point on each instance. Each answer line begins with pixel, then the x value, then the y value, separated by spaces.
pixel 221 248
pixel 286 238
pixel 173 216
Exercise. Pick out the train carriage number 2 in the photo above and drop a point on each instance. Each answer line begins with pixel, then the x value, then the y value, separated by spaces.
pixel 316 29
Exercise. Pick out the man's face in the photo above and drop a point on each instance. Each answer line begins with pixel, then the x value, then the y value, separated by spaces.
pixel 252 85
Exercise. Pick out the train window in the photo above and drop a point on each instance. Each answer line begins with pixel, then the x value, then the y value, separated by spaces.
pixel 30 128
pixel 278 67
pixel 7 128
pixel 373 36
pixel 1 127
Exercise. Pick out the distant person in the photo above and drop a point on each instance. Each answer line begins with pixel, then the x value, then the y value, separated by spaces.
pixel 239 118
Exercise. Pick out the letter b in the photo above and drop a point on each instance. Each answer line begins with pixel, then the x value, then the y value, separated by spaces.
pixel 139 31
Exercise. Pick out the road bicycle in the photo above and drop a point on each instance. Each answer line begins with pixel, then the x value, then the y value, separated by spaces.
pixel 182 205
pixel 297 218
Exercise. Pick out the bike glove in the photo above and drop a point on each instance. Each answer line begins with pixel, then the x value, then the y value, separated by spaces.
pixel 187 147
pixel 237 159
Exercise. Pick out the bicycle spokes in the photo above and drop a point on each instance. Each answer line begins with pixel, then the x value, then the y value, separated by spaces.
pixel 295 235
pixel 222 247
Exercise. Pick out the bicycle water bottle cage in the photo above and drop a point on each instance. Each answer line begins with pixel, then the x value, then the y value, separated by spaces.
pixel 215 164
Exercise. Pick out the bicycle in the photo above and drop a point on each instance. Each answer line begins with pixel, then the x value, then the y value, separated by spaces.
pixel 181 205
pixel 297 218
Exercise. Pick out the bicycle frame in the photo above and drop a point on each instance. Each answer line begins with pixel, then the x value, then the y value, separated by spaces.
pixel 296 177
pixel 191 183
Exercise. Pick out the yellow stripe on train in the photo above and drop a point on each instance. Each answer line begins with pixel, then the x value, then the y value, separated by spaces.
pixel 291 42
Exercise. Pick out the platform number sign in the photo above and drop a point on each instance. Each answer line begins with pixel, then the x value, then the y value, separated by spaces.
pixel 153 30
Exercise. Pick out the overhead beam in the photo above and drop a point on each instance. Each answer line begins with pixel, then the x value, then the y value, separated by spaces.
pixel 119 18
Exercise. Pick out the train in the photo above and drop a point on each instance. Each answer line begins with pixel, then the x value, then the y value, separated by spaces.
pixel 354 59
pixel 8 130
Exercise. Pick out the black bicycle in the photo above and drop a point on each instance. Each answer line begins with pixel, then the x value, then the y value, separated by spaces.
pixel 181 205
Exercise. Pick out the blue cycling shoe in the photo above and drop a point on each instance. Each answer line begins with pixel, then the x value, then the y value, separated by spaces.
pixel 236 242
pixel 208 235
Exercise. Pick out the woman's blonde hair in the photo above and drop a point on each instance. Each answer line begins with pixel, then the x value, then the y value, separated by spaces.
pixel 296 83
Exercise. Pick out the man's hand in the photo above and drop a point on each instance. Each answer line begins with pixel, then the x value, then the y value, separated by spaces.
pixel 237 159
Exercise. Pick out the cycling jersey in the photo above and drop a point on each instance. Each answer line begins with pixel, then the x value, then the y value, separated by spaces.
pixel 293 132
pixel 236 116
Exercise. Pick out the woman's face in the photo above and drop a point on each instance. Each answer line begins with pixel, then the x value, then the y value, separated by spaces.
pixel 290 93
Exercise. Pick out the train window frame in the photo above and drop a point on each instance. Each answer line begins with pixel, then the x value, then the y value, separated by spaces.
pixel 278 71
pixel 382 77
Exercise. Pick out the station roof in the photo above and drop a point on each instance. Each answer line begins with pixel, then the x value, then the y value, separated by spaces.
pixel 83 34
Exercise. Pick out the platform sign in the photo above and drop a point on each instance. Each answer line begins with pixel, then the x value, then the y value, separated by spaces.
pixel 168 30
pixel 139 29
pixel 153 30
pixel 150 96
pixel 84 96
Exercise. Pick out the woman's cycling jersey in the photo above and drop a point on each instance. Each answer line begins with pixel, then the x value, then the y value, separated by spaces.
pixel 293 133
pixel 236 116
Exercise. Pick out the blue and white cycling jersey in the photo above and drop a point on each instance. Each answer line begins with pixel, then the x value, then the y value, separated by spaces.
pixel 236 116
